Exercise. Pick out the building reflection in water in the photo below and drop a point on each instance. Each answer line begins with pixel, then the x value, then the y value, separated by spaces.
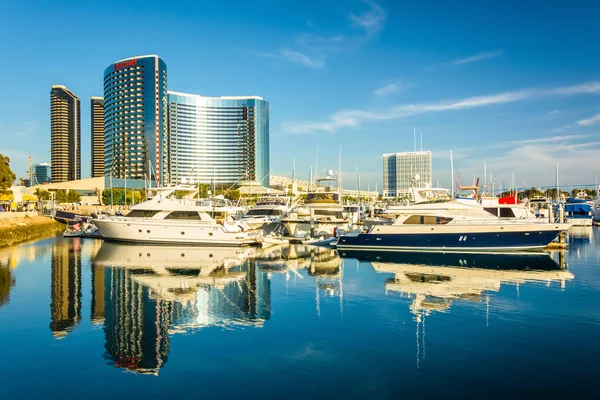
pixel 97 294
pixel 65 306
pixel 6 282
pixel 11 258
pixel 151 292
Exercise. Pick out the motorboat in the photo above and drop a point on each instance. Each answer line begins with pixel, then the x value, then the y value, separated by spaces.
pixel 453 226
pixel 326 211
pixel 540 207
pixel 168 219
pixel 578 212
pixel 267 213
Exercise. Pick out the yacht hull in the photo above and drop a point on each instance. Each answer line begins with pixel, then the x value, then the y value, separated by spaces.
pixel 484 240
pixel 301 228
pixel 124 230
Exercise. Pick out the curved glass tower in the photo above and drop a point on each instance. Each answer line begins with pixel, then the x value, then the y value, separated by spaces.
pixel 218 139
pixel 135 119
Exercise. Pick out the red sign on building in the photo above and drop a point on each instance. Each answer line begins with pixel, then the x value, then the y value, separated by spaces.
pixel 129 63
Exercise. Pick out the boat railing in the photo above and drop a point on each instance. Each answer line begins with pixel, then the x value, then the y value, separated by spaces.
pixel 498 222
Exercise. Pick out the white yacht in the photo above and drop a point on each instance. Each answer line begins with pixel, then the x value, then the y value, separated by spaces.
pixel 453 226
pixel 325 211
pixel 268 212
pixel 168 219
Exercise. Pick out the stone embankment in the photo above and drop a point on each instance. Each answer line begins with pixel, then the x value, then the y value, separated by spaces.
pixel 23 228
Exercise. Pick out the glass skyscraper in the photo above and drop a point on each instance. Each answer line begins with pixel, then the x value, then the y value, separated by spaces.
pixel 218 139
pixel 135 119
pixel 97 108
pixel 65 134
pixel 41 173
pixel 402 171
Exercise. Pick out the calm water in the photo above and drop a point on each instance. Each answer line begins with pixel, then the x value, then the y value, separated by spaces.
pixel 86 319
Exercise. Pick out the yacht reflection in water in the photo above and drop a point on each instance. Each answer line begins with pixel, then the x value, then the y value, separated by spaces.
pixel 152 292
pixel 435 280
pixel 322 263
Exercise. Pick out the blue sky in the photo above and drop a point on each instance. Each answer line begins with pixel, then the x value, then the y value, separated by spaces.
pixel 513 83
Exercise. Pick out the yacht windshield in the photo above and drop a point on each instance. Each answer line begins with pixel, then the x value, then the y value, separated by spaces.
pixel 325 197
pixel 263 212
pixel 142 213
pixel 188 215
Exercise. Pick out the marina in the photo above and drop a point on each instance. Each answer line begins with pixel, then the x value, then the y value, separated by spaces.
pixel 363 199
pixel 142 316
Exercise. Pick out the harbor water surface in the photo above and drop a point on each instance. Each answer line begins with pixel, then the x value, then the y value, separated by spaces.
pixel 80 318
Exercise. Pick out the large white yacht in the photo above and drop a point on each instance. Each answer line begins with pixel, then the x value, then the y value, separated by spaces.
pixel 168 219
pixel 453 226
pixel 325 211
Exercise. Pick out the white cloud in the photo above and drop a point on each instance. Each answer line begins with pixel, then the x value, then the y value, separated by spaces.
pixel 371 21
pixel 477 57
pixel 353 118
pixel 590 121
pixel 318 46
pixel 295 57
pixel 534 162
pixel 387 89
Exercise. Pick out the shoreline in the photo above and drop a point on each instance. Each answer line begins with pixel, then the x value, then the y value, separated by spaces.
pixel 22 229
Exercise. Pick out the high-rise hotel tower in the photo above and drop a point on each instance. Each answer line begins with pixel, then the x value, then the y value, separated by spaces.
pixel 97 107
pixel 218 139
pixel 135 119
pixel 65 134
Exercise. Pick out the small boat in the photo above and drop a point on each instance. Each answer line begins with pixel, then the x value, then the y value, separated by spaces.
pixel 72 233
pixel 578 212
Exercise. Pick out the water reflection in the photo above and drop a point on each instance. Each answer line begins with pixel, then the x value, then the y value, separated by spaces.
pixel 6 282
pixel 434 280
pixel 580 234
pixel 322 263
pixel 143 295
pixel 11 258
pixel 152 292
pixel 65 306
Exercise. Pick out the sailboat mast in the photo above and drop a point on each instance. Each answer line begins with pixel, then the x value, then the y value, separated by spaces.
pixel 452 172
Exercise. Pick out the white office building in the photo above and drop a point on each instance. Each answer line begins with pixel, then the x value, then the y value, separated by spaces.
pixel 402 171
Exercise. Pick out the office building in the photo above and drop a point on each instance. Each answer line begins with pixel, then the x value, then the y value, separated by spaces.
pixel 41 174
pixel 135 119
pixel 65 134
pixel 218 140
pixel 402 171
pixel 97 130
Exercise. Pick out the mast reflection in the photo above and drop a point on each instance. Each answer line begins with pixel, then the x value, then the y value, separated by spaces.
pixel 65 306
pixel 152 292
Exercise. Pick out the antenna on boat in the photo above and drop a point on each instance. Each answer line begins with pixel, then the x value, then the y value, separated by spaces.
pixel 452 172
pixel 317 164
pixel 415 137
pixel 340 173
pixel 557 186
